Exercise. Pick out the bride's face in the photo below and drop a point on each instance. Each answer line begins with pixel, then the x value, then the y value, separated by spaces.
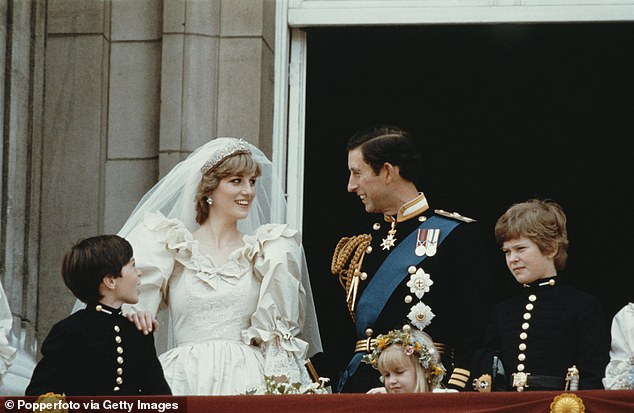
pixel 234 195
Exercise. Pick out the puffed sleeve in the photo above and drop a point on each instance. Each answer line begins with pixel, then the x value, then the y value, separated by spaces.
pixel 279 311
pixel 149 242
pixel 619 373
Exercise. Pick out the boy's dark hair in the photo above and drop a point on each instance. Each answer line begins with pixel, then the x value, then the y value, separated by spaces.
pixel 387 143
pixel 91 259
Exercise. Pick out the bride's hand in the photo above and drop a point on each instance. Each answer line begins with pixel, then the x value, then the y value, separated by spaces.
pixel 144 321
pixel 377 390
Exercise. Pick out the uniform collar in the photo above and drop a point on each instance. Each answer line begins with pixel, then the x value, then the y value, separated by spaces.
pixel 102 308
pixel 410 209
pixel 543 282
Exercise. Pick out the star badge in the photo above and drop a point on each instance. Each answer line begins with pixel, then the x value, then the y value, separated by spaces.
pixel 388 242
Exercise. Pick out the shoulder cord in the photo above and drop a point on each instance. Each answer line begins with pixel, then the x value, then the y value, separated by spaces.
pixel 350 250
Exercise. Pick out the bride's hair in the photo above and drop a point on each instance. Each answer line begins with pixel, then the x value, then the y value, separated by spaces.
pixel 238 164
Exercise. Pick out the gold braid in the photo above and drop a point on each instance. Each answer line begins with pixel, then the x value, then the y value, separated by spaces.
pixel 349 250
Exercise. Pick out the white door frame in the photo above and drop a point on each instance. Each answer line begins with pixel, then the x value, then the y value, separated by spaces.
pixel 291 49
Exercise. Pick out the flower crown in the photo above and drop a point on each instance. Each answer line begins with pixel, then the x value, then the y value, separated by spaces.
pixel 426 356
pixel 235 147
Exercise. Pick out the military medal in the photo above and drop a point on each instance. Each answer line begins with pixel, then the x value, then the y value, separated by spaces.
pixel 388 242
pixel 432 241
pixel 427 242
pixel 420 242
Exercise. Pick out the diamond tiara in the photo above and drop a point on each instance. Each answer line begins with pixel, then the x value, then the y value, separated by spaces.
pixel 234 147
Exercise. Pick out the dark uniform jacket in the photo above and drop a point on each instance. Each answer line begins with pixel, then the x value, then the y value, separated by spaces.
pixel 544 331
pixel 95 353
pixel 460 298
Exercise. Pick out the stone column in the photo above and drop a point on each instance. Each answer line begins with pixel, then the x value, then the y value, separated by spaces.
pixel 21 47
pixel 217 74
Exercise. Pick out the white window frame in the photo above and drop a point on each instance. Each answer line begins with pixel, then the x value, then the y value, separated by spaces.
pixel 291 49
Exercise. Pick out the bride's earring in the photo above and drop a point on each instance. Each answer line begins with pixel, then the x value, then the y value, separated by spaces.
pixel 209 200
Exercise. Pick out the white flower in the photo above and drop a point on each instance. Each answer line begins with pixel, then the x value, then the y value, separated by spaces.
pixel 421 315
pixel 419 283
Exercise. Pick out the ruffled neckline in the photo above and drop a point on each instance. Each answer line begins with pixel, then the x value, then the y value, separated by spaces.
pixel 186 250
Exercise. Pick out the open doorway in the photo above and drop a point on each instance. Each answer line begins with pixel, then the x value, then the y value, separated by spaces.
pixel 504 113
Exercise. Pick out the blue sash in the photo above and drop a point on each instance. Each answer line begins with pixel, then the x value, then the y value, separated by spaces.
pixel 389 276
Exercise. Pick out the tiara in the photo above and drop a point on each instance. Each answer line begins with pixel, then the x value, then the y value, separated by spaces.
pixel 426 356
pixel 236 146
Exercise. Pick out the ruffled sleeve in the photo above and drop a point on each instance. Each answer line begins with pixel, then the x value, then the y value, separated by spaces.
pixel 276 256
pixel 619 373
pixel 155 242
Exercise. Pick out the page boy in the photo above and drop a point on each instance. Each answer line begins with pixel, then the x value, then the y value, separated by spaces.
pixel 97 351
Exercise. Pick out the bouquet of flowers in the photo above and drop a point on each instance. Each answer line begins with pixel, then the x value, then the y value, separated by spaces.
pixel 282 385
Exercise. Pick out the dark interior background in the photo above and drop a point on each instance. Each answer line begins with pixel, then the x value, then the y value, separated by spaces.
pixel 503 113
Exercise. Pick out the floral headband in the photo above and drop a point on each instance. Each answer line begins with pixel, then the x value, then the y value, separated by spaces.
pixel 411 346
pixel 233 148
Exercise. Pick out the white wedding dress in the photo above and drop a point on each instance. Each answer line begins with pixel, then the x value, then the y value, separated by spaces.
pixel 232 323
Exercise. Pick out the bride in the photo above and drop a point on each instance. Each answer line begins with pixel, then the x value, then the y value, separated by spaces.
pixel 234 285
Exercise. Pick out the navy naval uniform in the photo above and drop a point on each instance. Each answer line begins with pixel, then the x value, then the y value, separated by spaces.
pixel 97 351
pixel 542 332
pixel 460 297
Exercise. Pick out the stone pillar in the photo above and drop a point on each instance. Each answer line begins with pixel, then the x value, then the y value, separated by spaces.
pixel 21 47
pixel 217 74
pixel 133 107
pixel 246 71
pixel 76 84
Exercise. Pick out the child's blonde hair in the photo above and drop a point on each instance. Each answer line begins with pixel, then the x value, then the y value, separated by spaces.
pixel 409 347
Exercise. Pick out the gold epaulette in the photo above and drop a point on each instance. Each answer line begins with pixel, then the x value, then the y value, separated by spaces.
pixel 453 215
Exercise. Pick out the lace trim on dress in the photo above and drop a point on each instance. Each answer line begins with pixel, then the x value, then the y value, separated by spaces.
pixel 278 362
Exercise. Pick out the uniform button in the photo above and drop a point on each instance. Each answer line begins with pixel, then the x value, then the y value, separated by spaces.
pixel 523 336
pixel 527 316
pixel 120 360
pixel 422 218
pixel 521 357
pixel 117 339
pixel 411 269
pixel 407 328
pixel 119 371
pixel 116 329
pixel 363 276
pixel 116 388
pixel 376 226
pixel 369 332
pixel 522 346
pixel 119 380
pixel 408 299
pixel 120 350
pixel 525 326
pixel 532 298
pixel 529 307
pixel 369 249
pixel 520 367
